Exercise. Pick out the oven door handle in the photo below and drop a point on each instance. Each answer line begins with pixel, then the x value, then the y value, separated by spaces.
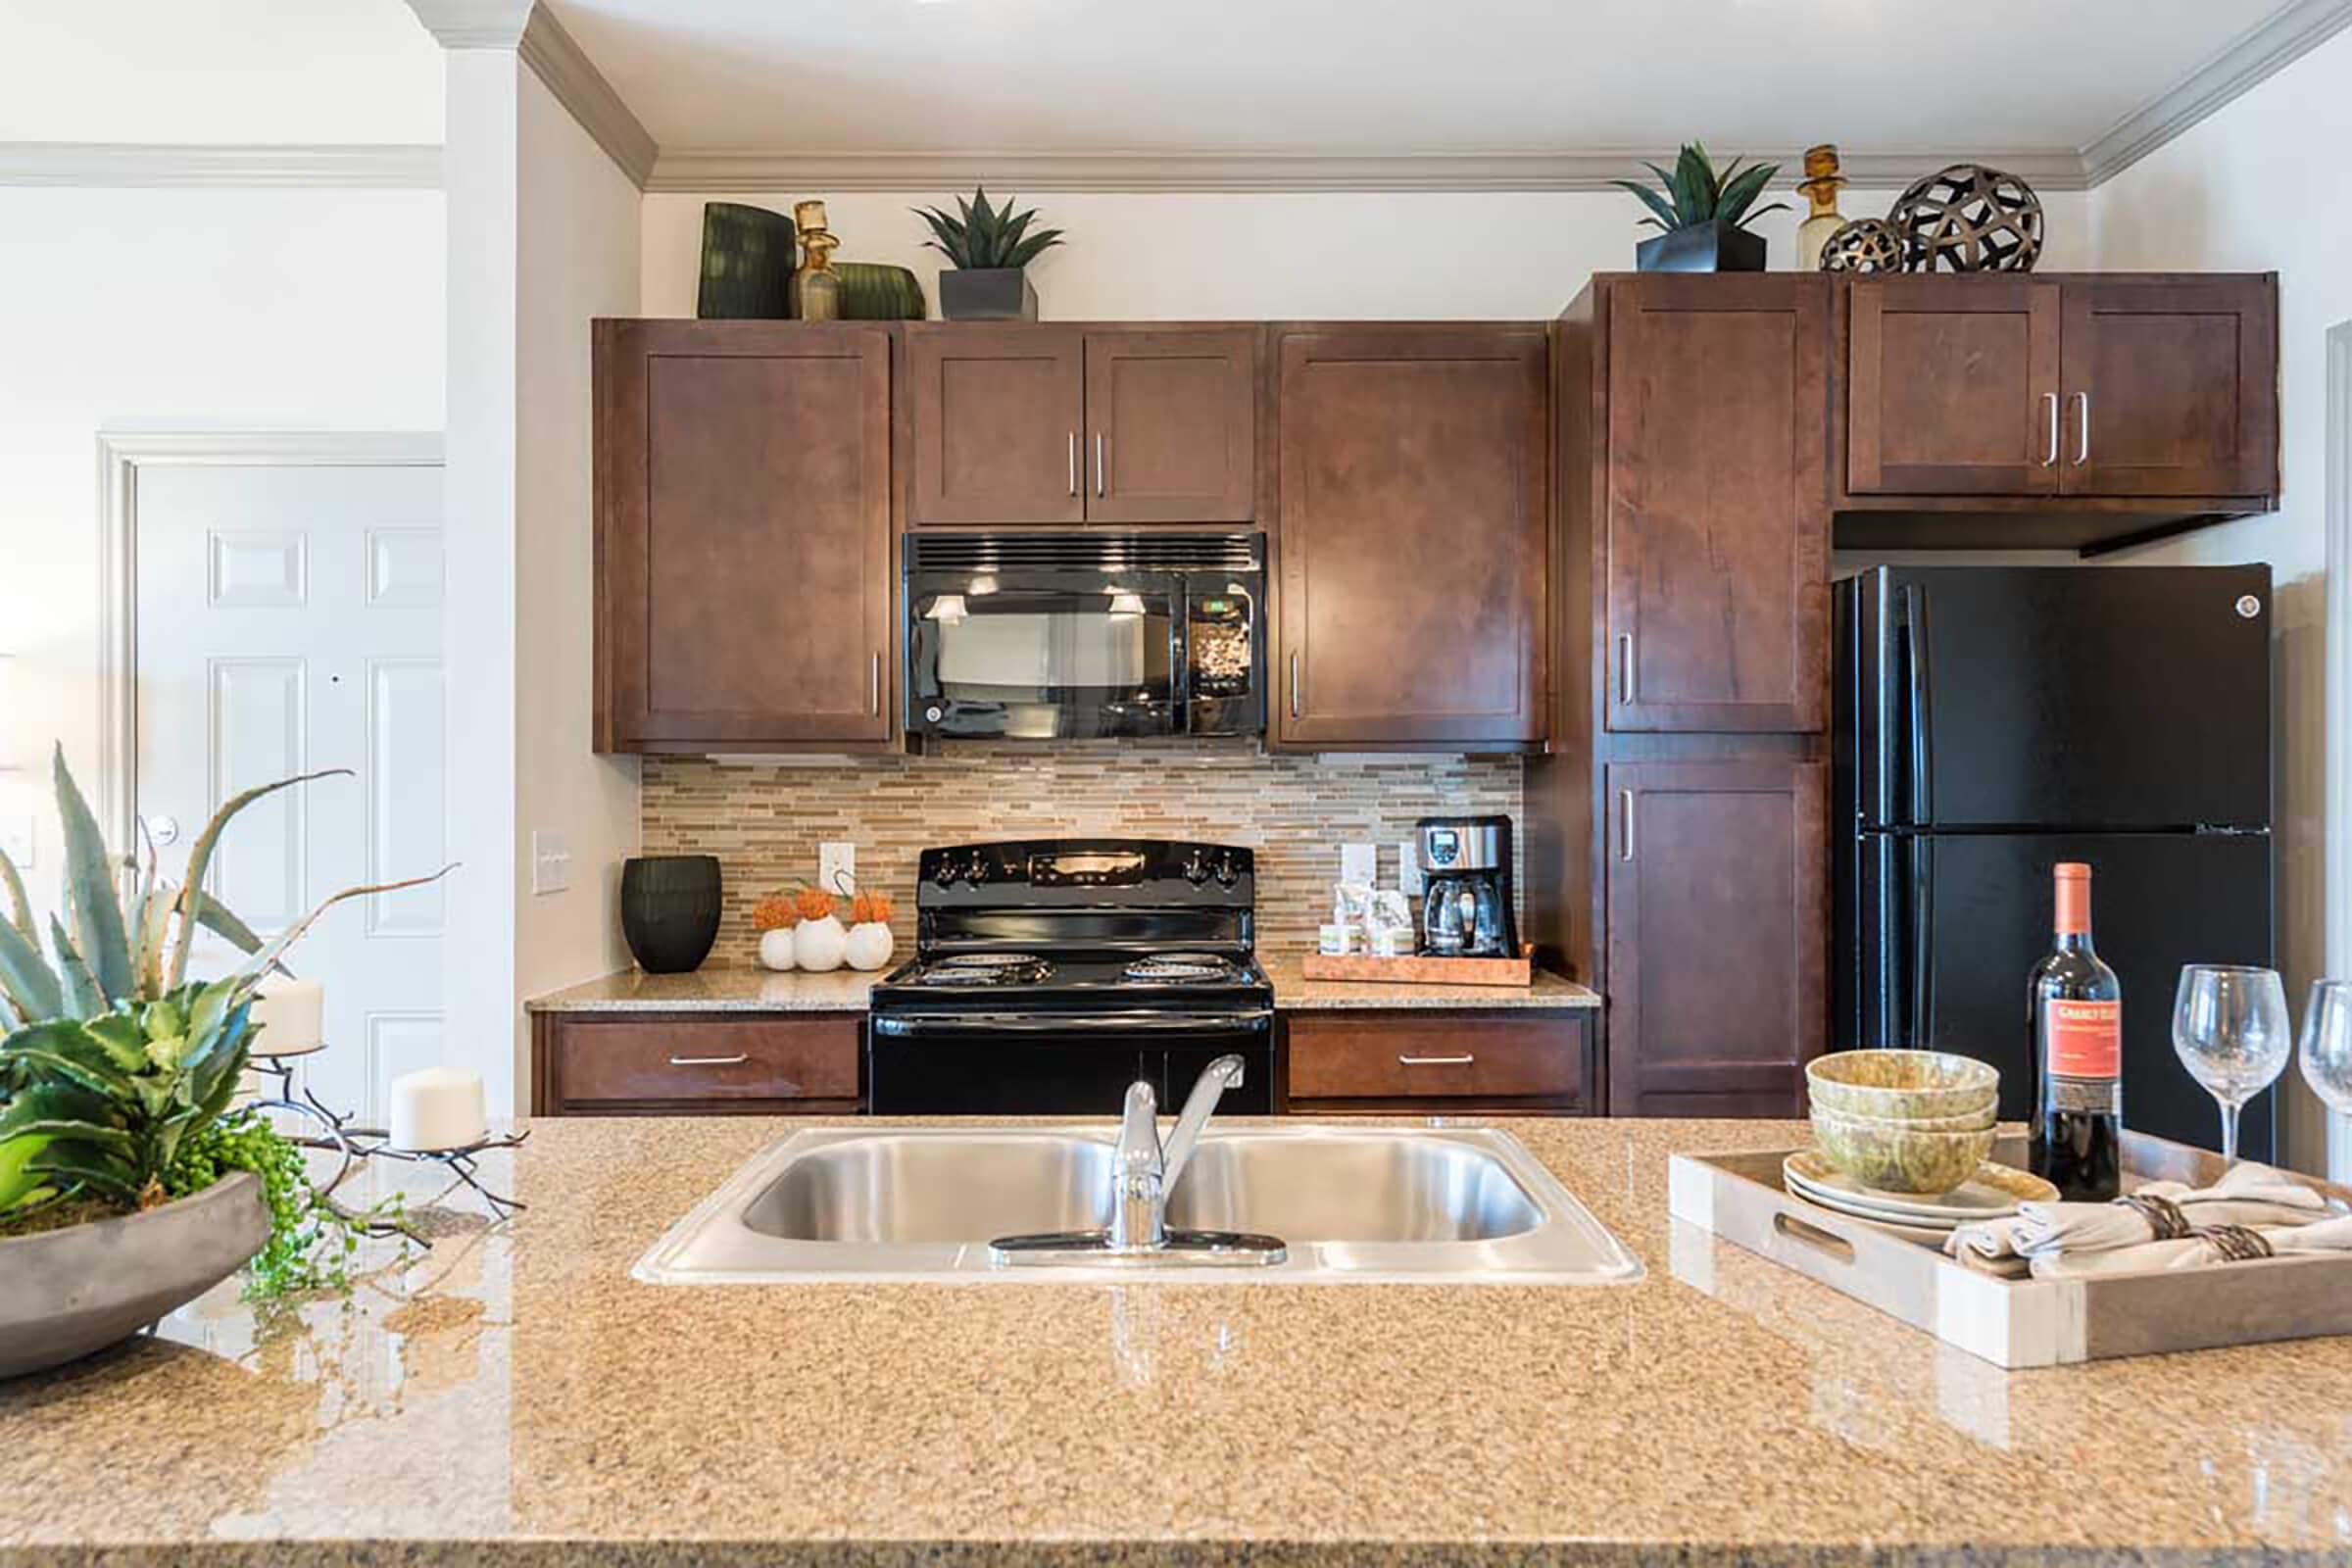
pixel 914 1025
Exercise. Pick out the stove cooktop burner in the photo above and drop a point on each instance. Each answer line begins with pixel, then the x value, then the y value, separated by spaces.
pixel 1180 967
pixel 987 969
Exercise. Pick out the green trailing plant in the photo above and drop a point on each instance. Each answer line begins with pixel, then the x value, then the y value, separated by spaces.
pixel 1695 194
pixel 984 236
pixel 117 1071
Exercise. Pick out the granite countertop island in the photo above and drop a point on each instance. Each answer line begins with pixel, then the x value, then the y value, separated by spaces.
pixel 717 987
pixel 514 1396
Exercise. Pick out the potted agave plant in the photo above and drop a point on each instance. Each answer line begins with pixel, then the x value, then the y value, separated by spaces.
pixel 129 1185
pixel 991 248
pixel 1704 216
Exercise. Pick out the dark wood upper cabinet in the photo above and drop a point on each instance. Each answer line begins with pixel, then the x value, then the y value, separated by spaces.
pixel 1716 542
pixel 1172 427
pixel 1953 386
pixel 2170 389
pixel 1717 875
pixel 1411 535
pixel 744 582
pixel 998 424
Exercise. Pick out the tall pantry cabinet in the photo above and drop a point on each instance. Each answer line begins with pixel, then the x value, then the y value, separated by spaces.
pixel 1677 835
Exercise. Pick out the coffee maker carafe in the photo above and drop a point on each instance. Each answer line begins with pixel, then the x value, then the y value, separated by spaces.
pixel 1466 887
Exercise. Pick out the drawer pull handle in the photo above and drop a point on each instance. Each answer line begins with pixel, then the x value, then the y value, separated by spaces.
pixel 736 1060
pixel 1463 1061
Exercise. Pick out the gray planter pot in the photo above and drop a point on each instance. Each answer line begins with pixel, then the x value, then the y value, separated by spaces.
pixel 1711 247
pixel 987 294
pixel 65 1293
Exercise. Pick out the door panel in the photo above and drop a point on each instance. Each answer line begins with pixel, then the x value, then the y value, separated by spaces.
pixel 2064 697
pixel 288 619
pixel 998 420
pixel 1977 906
pixel 1718 511
pixel 2172 388
pixel 1953 387
pixel 1172 427
pixel 1717 942
pixel 1413 531
pixel 744 501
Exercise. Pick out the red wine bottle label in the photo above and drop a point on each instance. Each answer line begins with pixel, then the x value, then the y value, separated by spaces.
pixel 2086 1039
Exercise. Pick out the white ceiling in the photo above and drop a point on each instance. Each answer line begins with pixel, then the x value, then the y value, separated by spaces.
pixel 1386 76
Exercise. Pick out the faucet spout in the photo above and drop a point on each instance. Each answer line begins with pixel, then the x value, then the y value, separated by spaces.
pixel 1138 1185
pixel 1218 1076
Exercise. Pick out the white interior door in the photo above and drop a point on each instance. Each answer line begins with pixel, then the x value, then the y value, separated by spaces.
pixel 289 619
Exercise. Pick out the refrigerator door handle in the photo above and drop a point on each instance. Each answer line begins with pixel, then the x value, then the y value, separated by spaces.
pixel 1919 692
pixel 1923 944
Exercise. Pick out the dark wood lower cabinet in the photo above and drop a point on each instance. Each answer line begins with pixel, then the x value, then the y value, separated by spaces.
pixel 1437 1060
pixel 1717 948
pixel 688 1064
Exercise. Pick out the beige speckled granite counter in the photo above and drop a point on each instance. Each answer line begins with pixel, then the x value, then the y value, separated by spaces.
pixel 514 1396
pixel 716 989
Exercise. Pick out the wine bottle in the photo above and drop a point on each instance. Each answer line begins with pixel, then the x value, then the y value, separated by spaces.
pixel 2076 1009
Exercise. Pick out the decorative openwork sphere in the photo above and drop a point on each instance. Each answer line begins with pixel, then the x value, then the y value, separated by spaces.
pixel 1865 245
pixel 1969 219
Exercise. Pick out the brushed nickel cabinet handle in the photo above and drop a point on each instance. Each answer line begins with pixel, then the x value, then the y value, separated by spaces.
pixel 1102 474
pixel 1073 457
pixel 2083 430
pixel 1293 683
pixel 1625 669
pixel 708 1061
pixel 2049 451
pixel 1625 817
pixel 1463 1060
pixel 873 685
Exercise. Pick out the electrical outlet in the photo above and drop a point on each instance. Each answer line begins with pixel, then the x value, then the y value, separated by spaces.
pixel 1359 862
pixel 551 862
pixel 15 838
pixel 1408 868
pixel 837 869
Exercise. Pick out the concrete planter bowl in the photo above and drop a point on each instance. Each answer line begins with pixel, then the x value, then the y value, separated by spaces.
pixel 65 1293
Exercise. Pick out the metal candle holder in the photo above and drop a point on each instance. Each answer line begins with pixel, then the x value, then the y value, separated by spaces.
pixel 356 1144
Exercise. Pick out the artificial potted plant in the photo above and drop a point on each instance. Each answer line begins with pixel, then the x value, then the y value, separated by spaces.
pixel 991 248
pixel 1704 216
pixel 128 1184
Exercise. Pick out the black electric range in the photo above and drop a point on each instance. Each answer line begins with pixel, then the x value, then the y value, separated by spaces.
pixel 1051 974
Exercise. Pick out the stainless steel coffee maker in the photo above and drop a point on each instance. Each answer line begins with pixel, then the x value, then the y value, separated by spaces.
pixel 1466 887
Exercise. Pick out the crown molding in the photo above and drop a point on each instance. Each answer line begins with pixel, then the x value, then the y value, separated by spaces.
pixel 2295 31
pixel 582 90
pixel 376 167
pixel 715 169
pixel 474 24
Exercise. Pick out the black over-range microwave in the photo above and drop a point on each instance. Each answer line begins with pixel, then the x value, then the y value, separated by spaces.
pixel 1077 634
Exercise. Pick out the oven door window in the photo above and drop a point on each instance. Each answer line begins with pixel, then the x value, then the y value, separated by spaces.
pixel 1032 664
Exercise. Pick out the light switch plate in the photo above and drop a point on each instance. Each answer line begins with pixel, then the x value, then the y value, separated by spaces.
pixel 551 862
pixel 1359 862
pixel 15 838
pixel 837 869
pixel 1408 868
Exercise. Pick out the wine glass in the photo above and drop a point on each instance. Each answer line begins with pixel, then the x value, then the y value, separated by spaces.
pixel 2232 1031
pixel 2327 1060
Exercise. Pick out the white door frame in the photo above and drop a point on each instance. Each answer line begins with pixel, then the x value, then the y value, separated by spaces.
pixel 2335 902
pixel 121 456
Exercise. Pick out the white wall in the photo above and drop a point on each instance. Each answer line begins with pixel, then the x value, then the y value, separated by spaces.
pixel 204 309
pixel 2256 188
pixel 1275 257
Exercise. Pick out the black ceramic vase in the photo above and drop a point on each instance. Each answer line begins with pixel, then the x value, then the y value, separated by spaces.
pixel 669 910
pixel 1714 246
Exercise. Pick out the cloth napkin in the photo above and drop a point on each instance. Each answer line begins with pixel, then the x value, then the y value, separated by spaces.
pixel 2248 1194
pixel 2196 1251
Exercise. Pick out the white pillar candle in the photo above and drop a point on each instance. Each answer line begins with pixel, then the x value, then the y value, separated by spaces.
pixel 439 1107
pixel 289 1017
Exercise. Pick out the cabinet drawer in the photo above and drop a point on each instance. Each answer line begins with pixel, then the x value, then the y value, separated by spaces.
pixel 674 1061
pixel 1442 1056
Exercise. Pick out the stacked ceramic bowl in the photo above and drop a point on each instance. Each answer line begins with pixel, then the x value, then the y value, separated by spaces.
pixel 1903 1122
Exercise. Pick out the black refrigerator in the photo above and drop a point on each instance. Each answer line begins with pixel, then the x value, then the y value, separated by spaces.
pixel 1993 721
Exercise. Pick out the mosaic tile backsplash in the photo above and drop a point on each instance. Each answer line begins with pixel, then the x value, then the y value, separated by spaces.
pixel 765 822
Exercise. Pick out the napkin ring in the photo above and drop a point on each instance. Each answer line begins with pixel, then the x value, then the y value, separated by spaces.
pixel 2164 1216
pixel 2237 1244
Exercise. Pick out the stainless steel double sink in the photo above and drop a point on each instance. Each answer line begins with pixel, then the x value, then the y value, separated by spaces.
pixel 1429 1206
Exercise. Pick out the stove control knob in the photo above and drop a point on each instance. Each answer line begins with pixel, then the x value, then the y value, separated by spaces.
pixel 977 872
pixel 944 873
pixel 1196 868
pixel 1227 872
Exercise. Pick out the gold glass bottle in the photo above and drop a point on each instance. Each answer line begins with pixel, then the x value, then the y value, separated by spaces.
pixel 815 287
pixel 1821 185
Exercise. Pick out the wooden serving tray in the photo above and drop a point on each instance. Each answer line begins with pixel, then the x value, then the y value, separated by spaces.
pixel 2027 1322
pixel 1421 970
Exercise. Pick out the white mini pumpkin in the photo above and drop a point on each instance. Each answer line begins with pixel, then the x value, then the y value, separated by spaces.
pixel 869 945
pixel 816 944
pixel 775 948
